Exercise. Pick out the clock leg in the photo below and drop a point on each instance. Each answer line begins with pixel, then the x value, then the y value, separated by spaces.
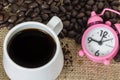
pixel 106 62
pixel 81 53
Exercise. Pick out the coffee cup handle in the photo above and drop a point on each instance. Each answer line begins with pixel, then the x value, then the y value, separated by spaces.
pixel 55 24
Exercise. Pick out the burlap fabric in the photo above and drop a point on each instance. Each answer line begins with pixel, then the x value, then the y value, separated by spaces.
pixel 81 68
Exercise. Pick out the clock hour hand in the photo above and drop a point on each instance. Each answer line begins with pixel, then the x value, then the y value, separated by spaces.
pixel 107 40
pixel 91 39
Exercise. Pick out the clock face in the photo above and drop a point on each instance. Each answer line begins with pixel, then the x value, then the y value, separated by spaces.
pixel 99 41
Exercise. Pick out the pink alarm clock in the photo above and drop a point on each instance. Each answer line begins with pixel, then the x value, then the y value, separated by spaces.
pixel 100 41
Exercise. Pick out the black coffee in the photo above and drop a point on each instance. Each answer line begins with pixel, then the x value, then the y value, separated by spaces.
pixel 31 48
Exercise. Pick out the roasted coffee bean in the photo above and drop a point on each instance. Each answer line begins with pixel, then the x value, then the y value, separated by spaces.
pixel 62 9
pixel 23 8
pixel 88 13
pixel 75 2
pixel 21 14
pixel 66 23
pixel 13 8
pixel 36 18
pixel 88 7
pixel 45 6
pixel 69 8
pixel 107 15
pixel 19 2
pixel 54 9
pixel 67 1
pixel 100 5
pixel 65 32
pixel 70 27
pixel 4 2
pixel 1 7
pixel 28 19
pixel 77 28
pixel 78 7
pixel 50 1
pixel 39 1
pixel 28 13
pixel 61 35
pixel 73 20
pixel 74 13
pixel 44 16
pixel 90 2
pixel 10 26
pixel 112 15
pixel 95 8
pixel 117 57
pixel 6 17
pixel 1 18
pixel 28 1
pixel 115 3
pixel 80 15
pixel 21 19
pixel 72 34
pixel 78 38
pixel 12 19
pixel 46 11
pixel 33 5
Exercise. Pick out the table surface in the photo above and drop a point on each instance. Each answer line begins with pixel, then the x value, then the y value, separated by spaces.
pixel 81 68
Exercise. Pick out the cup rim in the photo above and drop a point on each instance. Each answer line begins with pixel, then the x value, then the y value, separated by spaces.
pixel 26 23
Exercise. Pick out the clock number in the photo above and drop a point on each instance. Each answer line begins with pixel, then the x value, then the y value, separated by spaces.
pixel 97 53
pixel 89 39
pixel 103 33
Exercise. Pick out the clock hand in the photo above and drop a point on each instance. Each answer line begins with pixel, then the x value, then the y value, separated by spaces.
pixel 91 39
pixel 107 40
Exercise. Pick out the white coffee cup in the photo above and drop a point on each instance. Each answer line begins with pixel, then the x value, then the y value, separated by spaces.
pixel 49 71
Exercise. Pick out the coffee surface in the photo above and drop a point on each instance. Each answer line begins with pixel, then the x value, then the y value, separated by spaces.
pixel 31 48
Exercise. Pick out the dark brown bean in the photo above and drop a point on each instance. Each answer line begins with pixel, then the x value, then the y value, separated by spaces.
pixel 61 35
pixel 73 20
pixel 50 1
pixel 33 5
pixel 78 38
pixel 117 57
pixel 19 2
pixel 115 3
pixel 74 13
pixel 12 1
pixel 21 19
pixel 66 23
pixel 44 16
pixel 54 9
pixel 10 26
pixel 45 6
pixel 1 18
pixel 39 2
pixel 69 8
pixel 88 7
pixel 80 15
pixel 75 2
pixel 12 19
pixel 62 9
pixel 13 8
pixel 46 11
pixel 90 2
pixel 1 6
pixel 88 13
pixel 107 15
pixel 95 8
pixel 28 1
pixel 21 14
pixel 100 5
pixel 28 13
pixel 72 34
pixel 78 7
pixel 23 8
pixel 67 1
pixel 65 32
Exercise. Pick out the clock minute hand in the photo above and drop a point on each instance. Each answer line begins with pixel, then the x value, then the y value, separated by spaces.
pixel 107 40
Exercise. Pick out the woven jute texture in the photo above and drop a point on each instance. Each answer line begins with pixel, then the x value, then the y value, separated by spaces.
pixel 81 68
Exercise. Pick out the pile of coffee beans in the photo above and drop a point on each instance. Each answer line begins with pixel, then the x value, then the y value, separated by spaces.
pixel 73 13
